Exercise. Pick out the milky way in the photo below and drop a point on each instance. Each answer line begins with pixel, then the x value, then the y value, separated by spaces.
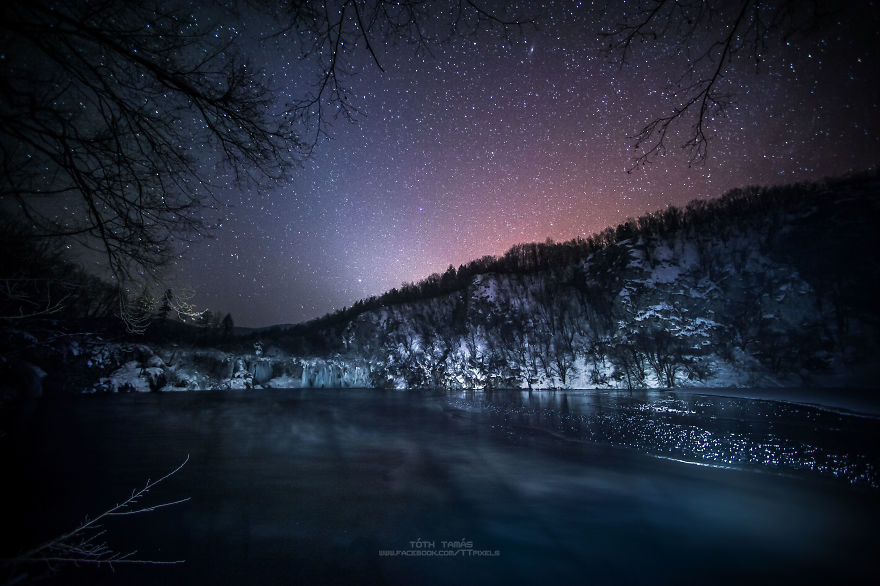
pixel 492 140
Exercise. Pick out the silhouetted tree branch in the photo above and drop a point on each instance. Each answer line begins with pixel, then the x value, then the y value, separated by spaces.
pixel 114 115
pixel 84 544
pixel 120 119
pixel 333 32
pixel 714 35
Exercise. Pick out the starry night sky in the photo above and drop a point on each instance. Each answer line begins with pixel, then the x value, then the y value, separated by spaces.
pixel 493 140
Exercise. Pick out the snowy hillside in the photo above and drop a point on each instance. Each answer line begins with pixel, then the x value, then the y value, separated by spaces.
pixel 763 287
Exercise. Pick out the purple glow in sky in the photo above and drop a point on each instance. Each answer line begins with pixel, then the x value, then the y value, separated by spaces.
pixel 491 141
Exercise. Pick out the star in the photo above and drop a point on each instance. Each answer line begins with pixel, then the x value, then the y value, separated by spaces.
pixel 488 142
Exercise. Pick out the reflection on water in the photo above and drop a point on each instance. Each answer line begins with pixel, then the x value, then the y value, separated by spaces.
pixel 372 487
pixel 713 430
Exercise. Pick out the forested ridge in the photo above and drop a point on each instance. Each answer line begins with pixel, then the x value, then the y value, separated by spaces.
pixel 761 286
pixel 585 300
pixel 734 211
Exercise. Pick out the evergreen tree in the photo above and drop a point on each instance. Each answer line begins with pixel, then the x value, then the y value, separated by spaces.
pixel 228 326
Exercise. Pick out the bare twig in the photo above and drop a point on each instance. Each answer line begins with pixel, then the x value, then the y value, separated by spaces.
pixel 84 544
pixel 712 35
pixel 335 29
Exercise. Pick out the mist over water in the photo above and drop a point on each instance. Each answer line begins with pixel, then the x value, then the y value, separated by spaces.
pixel 496 487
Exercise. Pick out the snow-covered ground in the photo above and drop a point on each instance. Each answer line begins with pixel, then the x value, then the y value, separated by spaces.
pixel 143 368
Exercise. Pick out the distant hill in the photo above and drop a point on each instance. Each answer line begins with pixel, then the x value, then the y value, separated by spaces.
pixel 761 286
pixel 247 331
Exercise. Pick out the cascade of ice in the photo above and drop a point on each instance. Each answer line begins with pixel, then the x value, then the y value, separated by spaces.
pixel 261 369
pixel 331 374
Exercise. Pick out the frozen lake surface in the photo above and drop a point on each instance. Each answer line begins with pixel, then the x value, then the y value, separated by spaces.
pixel 347 486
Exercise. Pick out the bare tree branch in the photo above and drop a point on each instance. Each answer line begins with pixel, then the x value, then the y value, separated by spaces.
pixel 713 35
pixel 84 544
pixel 124 113
pixel 119 121
pixel 337 29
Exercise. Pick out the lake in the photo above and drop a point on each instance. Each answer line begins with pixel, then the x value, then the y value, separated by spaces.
pixel 503 487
